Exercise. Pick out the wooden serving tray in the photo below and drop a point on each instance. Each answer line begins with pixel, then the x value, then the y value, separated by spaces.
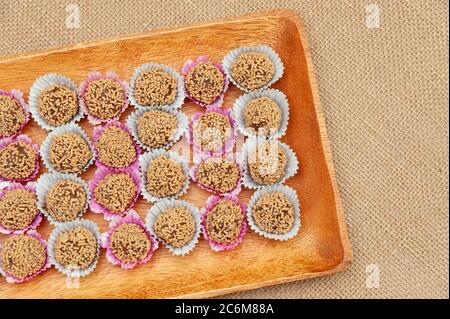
pixel 322 246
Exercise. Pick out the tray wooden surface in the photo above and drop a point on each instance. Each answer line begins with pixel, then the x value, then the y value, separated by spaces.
pixel 322 246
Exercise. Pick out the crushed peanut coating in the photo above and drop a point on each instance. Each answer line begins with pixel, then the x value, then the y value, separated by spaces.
pixel 218 174
pixel 58 105
pixel 211 131
pixel 104 98
pixel 156 128
pixel 274 213
pixel 17 161
pixel 268 165
pixel 18 209
pixel 205 82
pixel 70 153
pixel 116 192
pixel 155 87
pixel 262 115
pixel 130 243
pixel 224 222
pixel 115 148
pixel 65 200
pixel 164 177
pixel 12 115
pixel 252 70
pixel 175 226
pixel 23 256
pixel 76 248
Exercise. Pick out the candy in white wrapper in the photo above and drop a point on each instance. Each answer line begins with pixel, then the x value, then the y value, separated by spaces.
pixel 182 126
pixel 145 161
pixel 241 103
pixel 65 129
pixel 160 206
pixel 248 151
pixel 65 227
pixel 47 181
pixel 43 83
pixel 293 198
pixel 180 95
pixel 273 56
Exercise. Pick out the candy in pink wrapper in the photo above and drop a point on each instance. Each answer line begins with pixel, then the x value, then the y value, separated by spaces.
pixel 103 84
pixel 229 173
pixel 196 73
pixel 104 181
pixel 143 244
pixel 10 278
pixel 229 213
pixel 30 187
pixel 12 119
pixel 114 147
pixel 209 140
pixel 9 147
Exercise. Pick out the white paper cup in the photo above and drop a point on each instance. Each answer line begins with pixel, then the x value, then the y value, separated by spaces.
pixel 65 129
pixel 145 161
pixel 47 181
pixel 234 54
pixel 280 99
pixel 65 227
pixel 248 151
pixel 179 98
pixel 182 126
pixel 160 206
pixel 293 198
pixel 43 83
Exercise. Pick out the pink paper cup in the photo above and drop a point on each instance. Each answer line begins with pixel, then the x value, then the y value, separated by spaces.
pixel 26 140
pixel 211 202
pixel 17 95
pixel 94 76
pixel 189 64
pixel 233 192
pixel 131 217
pixel 101 174
pixel 31 187
pixel 11 279
pixel 99 130
pixel 230 140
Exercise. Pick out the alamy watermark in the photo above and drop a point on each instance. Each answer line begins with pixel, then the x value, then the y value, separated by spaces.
pixel 72 278
pixel 373 278
pixel 373 16
pixel 73 18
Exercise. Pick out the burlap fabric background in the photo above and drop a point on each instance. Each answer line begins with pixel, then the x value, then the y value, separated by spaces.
pixel 385 97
